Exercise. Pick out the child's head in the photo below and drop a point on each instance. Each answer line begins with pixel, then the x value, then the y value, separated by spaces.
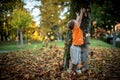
pixel 71 24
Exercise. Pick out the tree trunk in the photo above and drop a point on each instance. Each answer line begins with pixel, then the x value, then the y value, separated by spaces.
pixel 75 6
pixel 17 38
pixel 67 49
pixel 21 38
pixel 86 25
pixel 114 38
pixel 2 39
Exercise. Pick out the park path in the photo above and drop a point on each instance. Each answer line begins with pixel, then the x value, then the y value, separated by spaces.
pixel 4 51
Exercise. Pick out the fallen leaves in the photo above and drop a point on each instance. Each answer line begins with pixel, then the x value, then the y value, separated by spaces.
pixel 46 64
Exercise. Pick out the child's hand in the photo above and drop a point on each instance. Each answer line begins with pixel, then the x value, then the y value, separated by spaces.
pixel 87 35
pixel 77 14
pixel 83 10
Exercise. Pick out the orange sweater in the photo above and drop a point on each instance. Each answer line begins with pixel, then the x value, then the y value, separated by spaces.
pixel 77 36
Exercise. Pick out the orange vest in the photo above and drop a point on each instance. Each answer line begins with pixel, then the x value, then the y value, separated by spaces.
pixel 77 36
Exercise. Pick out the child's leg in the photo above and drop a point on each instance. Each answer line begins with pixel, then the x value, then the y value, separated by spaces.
pixel 70 65
pixel 80 65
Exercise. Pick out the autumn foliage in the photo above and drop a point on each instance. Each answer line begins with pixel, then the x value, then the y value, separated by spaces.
pixel 46 64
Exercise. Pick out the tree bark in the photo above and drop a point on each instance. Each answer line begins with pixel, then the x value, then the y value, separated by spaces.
pixel 21 37
pixel 67 49
pixel 17 38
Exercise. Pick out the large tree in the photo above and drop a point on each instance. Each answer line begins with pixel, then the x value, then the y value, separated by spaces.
pixel 20 20
pixel 6 7
pixel 75 6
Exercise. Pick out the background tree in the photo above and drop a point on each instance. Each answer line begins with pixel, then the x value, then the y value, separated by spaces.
pixel 105 11
pixel 6 7
pixel 34 32
pixel 106 14
pixel 20 20
pixel 51 15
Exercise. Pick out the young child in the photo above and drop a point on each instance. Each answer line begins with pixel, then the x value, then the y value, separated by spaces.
pixel 77 41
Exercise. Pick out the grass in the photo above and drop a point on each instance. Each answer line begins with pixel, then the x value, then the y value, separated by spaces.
pixel 99 43
pixel 11 46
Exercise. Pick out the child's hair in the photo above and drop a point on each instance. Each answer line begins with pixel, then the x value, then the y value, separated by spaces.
pixel 71 24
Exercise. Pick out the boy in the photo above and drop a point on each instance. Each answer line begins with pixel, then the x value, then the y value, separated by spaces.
pixel 77 41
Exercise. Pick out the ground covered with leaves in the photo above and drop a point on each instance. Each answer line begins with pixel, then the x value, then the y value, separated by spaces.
pixel 46 64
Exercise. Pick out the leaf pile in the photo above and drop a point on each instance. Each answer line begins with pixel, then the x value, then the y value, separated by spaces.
pixel 46 64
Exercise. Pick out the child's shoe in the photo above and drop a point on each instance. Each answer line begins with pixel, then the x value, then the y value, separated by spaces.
pixel 79 71
pixel 69 70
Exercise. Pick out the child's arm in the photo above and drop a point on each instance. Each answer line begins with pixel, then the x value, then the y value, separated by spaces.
pixel 79 16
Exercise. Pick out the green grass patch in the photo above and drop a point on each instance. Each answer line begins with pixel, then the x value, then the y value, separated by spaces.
pixel 11 46
pixel 99 43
